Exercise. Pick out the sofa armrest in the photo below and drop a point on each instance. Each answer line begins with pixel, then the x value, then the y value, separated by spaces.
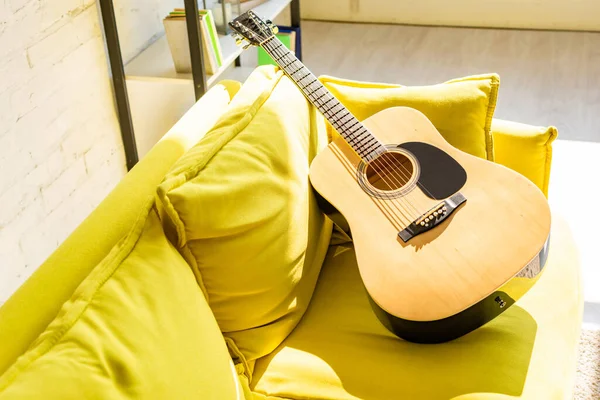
pixel 525 148
pixel 36 303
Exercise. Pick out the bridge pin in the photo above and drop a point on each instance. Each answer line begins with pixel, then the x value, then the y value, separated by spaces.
pixel 422 223
pixel 435 213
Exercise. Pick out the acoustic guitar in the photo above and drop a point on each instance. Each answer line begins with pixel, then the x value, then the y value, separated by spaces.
pixel 445 241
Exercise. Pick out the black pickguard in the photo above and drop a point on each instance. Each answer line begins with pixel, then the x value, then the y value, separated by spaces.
pixel 441 175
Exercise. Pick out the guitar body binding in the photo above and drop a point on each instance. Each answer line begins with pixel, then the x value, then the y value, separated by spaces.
pixel 475 316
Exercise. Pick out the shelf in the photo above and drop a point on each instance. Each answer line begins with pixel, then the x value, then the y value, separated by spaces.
pixel 156 61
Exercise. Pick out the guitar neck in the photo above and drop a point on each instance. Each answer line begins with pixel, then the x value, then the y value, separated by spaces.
pixel 350 128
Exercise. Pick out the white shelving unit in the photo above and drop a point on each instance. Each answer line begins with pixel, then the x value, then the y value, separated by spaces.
pixel 156 60
pixel 159 95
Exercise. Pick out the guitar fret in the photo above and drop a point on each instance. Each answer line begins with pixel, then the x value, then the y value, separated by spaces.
pixel 288 64
pixel 339 111
pixel 356 139
pixel 362 133
pixel 301 79
pixel 354 124
pixel 343 116
pixel 348 129
pixel 366 139
pixel 313 81
pixel 311 93
pixel 369 152
pixel 354 121
pixel 299 68
pixel 347 121
pixel 372 146
pixel 366 149
pixel 318 102
pixel 370 143
pixel 333 98
pixel 326 110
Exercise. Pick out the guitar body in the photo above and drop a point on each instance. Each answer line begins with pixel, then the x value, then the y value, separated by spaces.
pixel 434 284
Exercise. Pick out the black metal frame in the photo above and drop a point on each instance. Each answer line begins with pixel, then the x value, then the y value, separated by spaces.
pixel 118 71
pixel 119 85
pixel 195 42
pixel 295 11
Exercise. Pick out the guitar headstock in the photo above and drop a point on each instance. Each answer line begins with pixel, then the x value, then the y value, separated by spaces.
pixel 252 29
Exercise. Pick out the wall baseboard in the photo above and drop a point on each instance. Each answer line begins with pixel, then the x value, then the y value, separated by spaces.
pixel 579 15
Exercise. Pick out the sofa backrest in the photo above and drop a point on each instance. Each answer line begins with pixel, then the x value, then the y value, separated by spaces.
pixel 36 303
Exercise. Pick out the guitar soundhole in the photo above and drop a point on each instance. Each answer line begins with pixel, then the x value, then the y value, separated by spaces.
pixel 390 171
pixel 392 174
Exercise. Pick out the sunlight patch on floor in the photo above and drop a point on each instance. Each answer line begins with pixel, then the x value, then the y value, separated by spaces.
pixel 574 193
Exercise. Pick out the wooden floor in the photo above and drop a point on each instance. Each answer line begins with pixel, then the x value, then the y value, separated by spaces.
pixel 547 78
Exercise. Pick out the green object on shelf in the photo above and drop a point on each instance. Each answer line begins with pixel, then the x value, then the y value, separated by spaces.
pixel 212 30
pixel 265 59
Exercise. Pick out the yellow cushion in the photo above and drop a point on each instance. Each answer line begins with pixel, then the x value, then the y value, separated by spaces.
pixel 137 327
pixel 240 207
pixel 526 149
pixel 461 109
pixel 35 304
pixel 341 351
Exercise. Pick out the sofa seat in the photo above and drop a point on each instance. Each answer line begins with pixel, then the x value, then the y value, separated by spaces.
pixel 341 351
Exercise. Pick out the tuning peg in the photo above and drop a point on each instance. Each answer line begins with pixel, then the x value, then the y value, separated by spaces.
pixel 274 28
pixel 247 45
pixel 239 41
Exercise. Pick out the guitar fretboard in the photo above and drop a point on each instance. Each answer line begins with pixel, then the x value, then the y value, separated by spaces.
pixel 352 130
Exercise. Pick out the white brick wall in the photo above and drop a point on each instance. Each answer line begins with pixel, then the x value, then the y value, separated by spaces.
pixel 60 146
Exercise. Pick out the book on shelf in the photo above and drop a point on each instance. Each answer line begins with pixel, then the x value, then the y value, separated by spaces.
pixel 176 31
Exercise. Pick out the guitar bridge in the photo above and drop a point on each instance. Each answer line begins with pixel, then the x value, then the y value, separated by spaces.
pixel 433 217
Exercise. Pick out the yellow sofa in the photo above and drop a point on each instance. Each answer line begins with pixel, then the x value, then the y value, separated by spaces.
pixel 338 350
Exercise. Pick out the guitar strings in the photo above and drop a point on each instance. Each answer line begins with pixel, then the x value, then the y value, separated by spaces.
pixel 390 171
pixel 406 176
pixel 383 206
pixel 285 56
pixel 422 186
pixel 394 177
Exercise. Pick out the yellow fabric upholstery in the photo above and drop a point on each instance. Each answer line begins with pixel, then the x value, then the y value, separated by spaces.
pixel 461 109
pixel 526 149
pixel 27 313
pixel 341 351
pixel 158 337
pixel 240 207
pixel 137 327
